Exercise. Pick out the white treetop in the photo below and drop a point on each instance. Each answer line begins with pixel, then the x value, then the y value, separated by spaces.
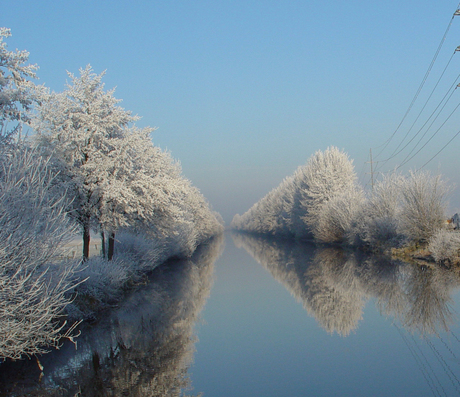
pixel 325 175
pixel 16 91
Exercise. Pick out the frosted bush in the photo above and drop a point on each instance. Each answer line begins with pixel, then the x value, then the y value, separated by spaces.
pixel 377 223
pixel 337 216
pixel 33 227
pixel 444 245
pixel 423 205
pixel 105 279
pixel 378 233
pixel 138 252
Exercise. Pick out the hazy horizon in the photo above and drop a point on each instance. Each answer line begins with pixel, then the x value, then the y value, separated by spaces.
pixel 243 93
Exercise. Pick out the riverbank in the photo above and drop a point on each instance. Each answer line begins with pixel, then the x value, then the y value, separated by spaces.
pixel 422 256
pixel 105 283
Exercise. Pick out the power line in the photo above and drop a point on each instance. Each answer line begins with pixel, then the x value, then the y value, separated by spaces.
pixel 385 144
pixel 445 103
pixel 383 162
pixel 426 143
pixel 396 152
pixel 445 366
pixel 447 144
pixel 422 367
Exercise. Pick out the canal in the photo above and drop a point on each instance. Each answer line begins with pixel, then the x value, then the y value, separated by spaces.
pixel 251 316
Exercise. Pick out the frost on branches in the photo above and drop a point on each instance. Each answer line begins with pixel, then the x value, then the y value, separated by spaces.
pixel 90 167
pixel 322 201
pixel 16 91
pixel 115 175
pixel 80 128
pixel 295 207
pixel 33 226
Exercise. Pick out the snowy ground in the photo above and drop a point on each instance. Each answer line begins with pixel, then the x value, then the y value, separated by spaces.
pixel 74 248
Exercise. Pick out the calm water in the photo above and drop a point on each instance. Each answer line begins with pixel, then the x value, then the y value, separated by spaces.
pixel 266 318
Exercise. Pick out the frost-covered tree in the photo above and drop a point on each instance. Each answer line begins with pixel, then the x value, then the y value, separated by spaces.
pixel 127 192
pixel 272 214
pixel 326 174
pixel 144 189
pixel 295 206
pixel 81 128
pixel 115 175
pixel 139 181
pixel 16 90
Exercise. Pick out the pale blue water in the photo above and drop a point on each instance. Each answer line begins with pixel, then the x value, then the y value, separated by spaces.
pixel 267 319
pixel 256 339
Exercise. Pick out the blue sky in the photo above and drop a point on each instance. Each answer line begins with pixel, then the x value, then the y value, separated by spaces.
pixel 243 92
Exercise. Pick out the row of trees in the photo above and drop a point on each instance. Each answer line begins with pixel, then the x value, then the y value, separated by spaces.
pixel 324 202
pixel 110 167
pixel 85 166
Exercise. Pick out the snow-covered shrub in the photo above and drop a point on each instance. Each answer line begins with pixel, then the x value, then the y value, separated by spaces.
pixel 444 245
pixel 33 226
pixel 377 233
pixel 401 209
pixel 105 279
pixel 143 253
pixel 376 225
pixel 423 205
pixel 337 216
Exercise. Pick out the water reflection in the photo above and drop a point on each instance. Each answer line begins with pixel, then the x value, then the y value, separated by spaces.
pixel 333 284
pixel 144 348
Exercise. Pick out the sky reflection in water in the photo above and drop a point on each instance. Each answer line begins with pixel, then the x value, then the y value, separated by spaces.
pixel 257 341
pixel 361 326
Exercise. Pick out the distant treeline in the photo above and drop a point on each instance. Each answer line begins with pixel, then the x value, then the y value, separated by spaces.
pixel 323 201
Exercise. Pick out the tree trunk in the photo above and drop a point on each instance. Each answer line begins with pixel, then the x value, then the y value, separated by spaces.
pixel 111 246
pixel 86 241
pixel 103 251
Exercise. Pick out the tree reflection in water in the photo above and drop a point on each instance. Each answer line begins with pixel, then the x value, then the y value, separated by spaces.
pixel 143 348
pixel 334 284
